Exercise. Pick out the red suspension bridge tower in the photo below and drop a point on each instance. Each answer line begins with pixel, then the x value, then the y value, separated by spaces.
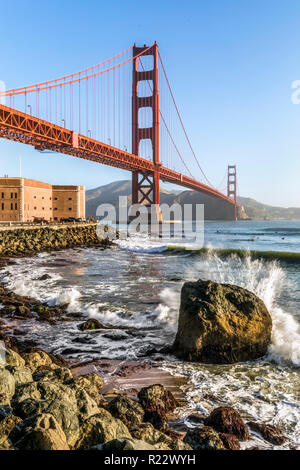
pixel 232 185
pixel 145 184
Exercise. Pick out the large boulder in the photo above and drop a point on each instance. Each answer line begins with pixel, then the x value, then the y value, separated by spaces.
pixel 203 438
pixel 230 441
pixel 12 358
pixel 127 410
pixel 221 323
pixel 51 398
pixel 100 428
pixel 52 374
pixel 6 426
pixel 92 384
pixel 40 432
pixel 157 399
pixel 147 433
pixel 35 359
pixel 269 432
pixel 7 384
pixel 20 374
pixel 85 404
pixel 227 420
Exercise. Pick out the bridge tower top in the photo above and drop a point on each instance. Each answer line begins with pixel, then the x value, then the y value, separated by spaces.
pixel 145 186
pixel 232 182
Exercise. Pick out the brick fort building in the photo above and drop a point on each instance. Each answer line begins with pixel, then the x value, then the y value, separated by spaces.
pixel 22 199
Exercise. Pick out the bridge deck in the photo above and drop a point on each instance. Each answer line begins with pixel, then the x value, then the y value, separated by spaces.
pixel 43 135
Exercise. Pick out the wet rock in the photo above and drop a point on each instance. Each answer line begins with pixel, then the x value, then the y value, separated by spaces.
pixel 12 358
pixel 269 432
pixel 158 420
pixel 127 410
pixel 7 425
pixel 23 312
pixel 5 410
pixel 227 420
pixel 21 375
pixel 203 438
pixel 5 444
pixel 44 277
pixel 147 433
pixel 100 428
pixel 58 360
pixel 157 399
pixel 22 345
pixel 92 384
pixel 178 444
pixel 91 324
pixel 36 359
pixel 84 340
pixel 54 398
pixel 196 418
pixel 71 351
pixel 221 323
pixel 40 432
pixel 230 442
pixel 27 390
pixel 8 343
pixel 49 374
pixel 4 399
pixel 86 406
pixel 7 384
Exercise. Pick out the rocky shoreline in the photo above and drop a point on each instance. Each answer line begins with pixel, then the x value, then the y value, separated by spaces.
pixel 28 240
pixel 49 402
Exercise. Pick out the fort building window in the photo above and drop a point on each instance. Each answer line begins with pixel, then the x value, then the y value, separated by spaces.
pixel 11 206
pixel 70 199
pixel 43 208
pixel 16 195
pixel 55 208
pixel 3 206
pixel 70 208
pixel 16 206
pixel 55 199
pixel 11 195
pixel 35 208
pixel 34 197
pixel 2 195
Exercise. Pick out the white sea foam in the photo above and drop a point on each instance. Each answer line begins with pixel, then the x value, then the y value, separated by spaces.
pixel 69 296
pixel 141 246
pixel 167 310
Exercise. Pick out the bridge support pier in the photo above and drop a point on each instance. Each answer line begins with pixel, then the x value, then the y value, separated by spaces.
pixel 145 184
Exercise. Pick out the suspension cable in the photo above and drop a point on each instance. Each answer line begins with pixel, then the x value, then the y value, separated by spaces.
pixel 165 124
pixel 180 119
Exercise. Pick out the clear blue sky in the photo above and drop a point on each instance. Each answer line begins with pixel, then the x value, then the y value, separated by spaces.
pixel 231 64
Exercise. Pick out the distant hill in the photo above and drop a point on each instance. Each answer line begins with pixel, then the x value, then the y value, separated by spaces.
pixel 214 209
pixel 257 210
pixel 109 193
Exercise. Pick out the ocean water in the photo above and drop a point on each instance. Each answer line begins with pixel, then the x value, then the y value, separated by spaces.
pixel 137 284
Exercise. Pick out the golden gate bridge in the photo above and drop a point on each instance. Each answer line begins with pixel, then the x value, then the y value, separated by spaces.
pixel 121 112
